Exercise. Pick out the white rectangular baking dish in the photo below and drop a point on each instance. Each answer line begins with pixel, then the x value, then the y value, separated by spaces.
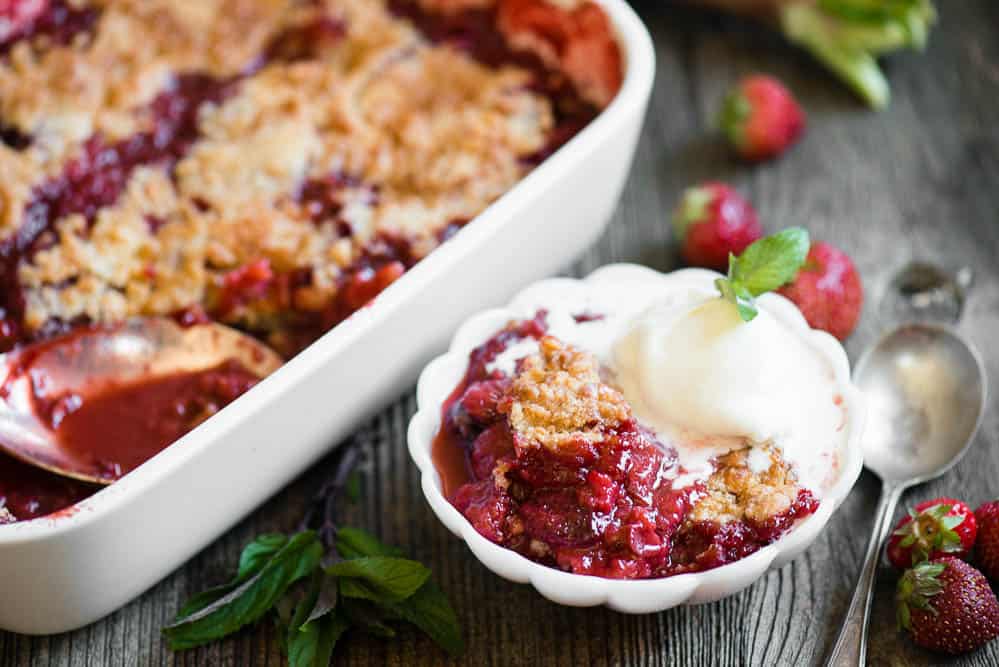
pixel 60 573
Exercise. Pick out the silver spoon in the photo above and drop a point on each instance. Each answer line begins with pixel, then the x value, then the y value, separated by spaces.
pixel 926 390
pixel 89 361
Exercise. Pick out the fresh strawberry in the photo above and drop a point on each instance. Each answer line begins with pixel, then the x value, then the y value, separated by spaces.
pixel 761 118
pixel 17 15
pixel 828 290
pixel 939 527
pixel 947 606
pixel 987 545
pixel 712 221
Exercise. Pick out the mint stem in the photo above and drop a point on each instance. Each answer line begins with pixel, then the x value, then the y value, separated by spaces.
pixel 321 515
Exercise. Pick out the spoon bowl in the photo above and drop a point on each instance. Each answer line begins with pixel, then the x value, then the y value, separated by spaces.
pixel 66 371
pixel 926 394
pixel 926 391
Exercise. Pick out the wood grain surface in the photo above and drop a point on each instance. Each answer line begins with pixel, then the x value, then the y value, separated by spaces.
pixel 920 180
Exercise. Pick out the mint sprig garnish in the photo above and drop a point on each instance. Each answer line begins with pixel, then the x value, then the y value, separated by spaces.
pixel 763 267
pixel 319 583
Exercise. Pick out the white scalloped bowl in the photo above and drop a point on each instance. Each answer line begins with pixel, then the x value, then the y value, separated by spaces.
pixel 441 376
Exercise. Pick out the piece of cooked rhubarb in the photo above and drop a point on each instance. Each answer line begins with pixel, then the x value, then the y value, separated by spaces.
pixel 846 36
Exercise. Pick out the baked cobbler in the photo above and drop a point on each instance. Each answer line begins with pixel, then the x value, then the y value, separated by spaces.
pixel 268 164
pixel 554 443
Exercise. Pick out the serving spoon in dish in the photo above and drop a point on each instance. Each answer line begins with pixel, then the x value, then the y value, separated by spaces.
pixel 42 383
pixel 926 391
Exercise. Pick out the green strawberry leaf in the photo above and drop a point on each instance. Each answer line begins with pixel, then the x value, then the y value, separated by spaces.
pixel 693 209
pixel 764 266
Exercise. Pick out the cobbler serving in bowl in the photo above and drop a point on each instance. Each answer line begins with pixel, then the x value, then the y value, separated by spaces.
pixel 268 165
pixel 633 426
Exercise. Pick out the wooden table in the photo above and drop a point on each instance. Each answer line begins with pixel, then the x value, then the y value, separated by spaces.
pixel 920 180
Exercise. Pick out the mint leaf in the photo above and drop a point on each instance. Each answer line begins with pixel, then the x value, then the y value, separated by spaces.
pixel 312 645
pixel 368 617
pixel 397 578
pixel 739 296
pixel 762 267
pixel 356 588
pixel 327 598
pixel 203 599
pixel 255 555
pixel 771 261
pixel 246 603
pixel 429 610
pixel 354 543
pixel 302 638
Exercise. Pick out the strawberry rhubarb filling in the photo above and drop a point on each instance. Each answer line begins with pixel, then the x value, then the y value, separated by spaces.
pixel 271 166
pixel 614 436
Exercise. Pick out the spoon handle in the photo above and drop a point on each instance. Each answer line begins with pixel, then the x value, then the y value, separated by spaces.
pixel 851 646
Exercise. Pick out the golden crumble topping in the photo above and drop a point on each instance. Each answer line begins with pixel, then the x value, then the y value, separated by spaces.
pixel 558 399
pixel 64 94
pixel 421 134
pixel 735 491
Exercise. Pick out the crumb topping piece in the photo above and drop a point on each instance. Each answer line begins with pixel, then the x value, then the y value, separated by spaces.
pixel 413 137
pixel 558 400
pixel 736 492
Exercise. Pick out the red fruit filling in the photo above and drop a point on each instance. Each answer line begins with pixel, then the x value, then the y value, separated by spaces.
pixel 55 20
pixel 102 168
pixel 601 501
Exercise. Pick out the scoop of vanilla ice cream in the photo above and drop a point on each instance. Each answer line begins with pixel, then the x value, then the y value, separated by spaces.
pixel 698 367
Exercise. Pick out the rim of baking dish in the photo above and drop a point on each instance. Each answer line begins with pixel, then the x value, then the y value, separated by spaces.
pixel 639 65
pixel 443 374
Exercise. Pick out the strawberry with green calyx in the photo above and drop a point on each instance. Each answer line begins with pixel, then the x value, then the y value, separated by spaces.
pixel 987 545
pixel 761 118
pixel 938 527
pixel 712 222
pixel 763 267
pixel 947 606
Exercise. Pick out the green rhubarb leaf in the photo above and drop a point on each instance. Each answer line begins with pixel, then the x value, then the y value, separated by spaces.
pixel 848 35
